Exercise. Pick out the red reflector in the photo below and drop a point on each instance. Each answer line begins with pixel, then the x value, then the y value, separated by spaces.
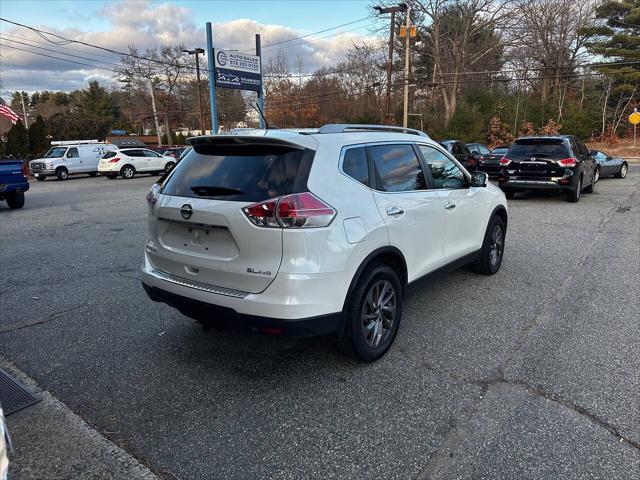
pixel 114 160
pixel 472 162
pixel 505 161
pixel 568 162
pixel 271 330
pixel 564 180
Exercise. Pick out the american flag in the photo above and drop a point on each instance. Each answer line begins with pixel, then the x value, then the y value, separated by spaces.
pixel 5 111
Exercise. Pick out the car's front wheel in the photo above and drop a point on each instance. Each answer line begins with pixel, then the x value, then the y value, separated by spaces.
pixel 492 247
pixel 373 314
pixel 62 173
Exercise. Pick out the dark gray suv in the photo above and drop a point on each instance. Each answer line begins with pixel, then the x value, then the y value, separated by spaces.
pixel 559 163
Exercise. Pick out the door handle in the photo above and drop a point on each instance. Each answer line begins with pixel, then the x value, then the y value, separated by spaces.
pixel 449 206
pixel 394 211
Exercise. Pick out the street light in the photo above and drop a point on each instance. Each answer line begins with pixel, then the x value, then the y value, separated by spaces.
pixel 401 7
pixel 196 52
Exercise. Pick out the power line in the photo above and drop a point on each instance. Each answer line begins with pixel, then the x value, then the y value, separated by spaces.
pixel 59 58
pixel 315 33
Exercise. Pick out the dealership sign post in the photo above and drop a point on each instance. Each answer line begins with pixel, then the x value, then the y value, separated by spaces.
pixel 233 69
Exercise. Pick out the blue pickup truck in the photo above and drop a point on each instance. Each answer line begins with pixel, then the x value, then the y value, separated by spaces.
pixel 13 182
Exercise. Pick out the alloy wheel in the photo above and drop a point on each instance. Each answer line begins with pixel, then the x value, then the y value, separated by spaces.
pixel 497 245
pixel 623 171
pixel 128 173
pixel 596 175
pixel 378 313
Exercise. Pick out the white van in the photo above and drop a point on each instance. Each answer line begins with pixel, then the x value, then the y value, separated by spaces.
pixel 69 158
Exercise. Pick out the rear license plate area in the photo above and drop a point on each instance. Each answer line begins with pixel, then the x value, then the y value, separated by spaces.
pixel 201 240
pixel 533 167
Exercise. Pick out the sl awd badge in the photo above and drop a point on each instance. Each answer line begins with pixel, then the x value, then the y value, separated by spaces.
pixel 186 211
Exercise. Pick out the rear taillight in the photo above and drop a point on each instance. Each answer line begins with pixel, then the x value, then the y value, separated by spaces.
pixel 25 169
pixel 114 160
pixel 152 196
pixel 568 162
pixel 504 161
pixel 300 210
pixel 472 162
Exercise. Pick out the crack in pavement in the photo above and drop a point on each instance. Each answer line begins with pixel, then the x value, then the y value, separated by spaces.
pixel 47 319
pixel 540 318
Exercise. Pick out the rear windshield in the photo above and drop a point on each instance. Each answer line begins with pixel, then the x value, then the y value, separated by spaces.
pixel 499 150
pixel 109 154
pixel 243 173
pixel 542 148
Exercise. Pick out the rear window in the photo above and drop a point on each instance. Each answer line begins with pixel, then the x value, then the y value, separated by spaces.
pixel 499 151
pixel 243 173
pixel 543 148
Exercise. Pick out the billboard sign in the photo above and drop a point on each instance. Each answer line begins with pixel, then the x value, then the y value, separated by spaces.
pixel 237 70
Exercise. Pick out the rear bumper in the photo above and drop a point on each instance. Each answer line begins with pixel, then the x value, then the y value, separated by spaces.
pixel 8 188
pixel 491 170
pixel 303 304
pixel 330 324
pixel 548 185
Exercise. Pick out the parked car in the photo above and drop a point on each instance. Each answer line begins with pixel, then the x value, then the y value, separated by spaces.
pixel 607 166
pixel 462 153
pixel 555 163
pixel 5 446
pixel 70 158
pixel 490 163
pixel 174 152
pixel 267 231
pixel 14 181
pixel 126 162
pixel 478 149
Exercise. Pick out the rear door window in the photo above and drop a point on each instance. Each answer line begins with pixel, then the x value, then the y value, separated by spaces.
pixel 554 148
pixel 133 153
pixel 355 164
pixel 397 168
pixel 247 173
pixel 149 153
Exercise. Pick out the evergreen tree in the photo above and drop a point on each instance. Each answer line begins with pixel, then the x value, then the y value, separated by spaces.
pixel 38 143
pixel 17 140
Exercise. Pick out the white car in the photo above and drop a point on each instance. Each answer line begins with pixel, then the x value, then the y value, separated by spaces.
pixel 5 444
pixel 129 161
pixel 314 233
pixel 70 158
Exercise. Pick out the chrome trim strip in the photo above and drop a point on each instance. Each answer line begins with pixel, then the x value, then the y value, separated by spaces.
pixel 197 285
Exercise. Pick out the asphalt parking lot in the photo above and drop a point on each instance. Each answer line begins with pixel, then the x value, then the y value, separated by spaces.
pixel 531 373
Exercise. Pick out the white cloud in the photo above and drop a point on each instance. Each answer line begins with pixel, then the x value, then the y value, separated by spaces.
pixel 148 25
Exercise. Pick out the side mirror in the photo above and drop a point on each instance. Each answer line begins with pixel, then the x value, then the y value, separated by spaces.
pixel 479 179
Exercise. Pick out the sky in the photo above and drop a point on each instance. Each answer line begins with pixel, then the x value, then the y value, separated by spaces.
pixel 151 23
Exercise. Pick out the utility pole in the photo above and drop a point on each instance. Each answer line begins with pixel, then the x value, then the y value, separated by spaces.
pixel 401 7
pixel 24 111
pixel 212 83
pixel 408 32
pixel 197 52
pixel 155 112
pixel 261 123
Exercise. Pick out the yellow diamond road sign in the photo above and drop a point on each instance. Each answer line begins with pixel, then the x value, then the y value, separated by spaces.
pixel 634 118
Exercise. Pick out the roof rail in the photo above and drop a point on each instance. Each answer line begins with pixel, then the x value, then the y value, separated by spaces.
pixel 74 142
pixel 346 127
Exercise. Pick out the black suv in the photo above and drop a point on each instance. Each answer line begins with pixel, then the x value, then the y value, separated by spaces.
pixel 462 153
pixel 557 164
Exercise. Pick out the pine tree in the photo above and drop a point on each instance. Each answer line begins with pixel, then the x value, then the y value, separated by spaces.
pixel 18 141
pixel 38 143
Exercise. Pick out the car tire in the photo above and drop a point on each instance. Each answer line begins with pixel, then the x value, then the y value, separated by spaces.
pixel 15 200
pixel 169 166
pixel 492 249
pixel 127 172
pixel 624 168
pixel 41 178
pixel 591 187
pixel 509 194
pixel 62 173
pixel 111 176
pixel 574 195
pixel 93 174
pixel 370 329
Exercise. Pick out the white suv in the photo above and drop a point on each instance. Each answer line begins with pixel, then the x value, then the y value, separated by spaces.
pixel 129 161
pixel 316 232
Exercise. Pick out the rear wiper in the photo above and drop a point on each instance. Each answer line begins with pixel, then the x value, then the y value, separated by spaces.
pixel 211 191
